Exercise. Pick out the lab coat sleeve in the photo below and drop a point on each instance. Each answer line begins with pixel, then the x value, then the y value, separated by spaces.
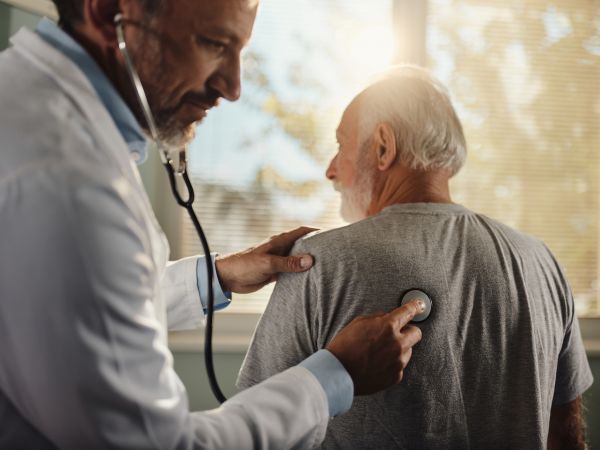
pixel 81 354
pixel 288 410
pixel 179 286
pixel 185 290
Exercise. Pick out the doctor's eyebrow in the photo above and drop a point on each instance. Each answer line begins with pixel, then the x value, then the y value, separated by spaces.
pixel 223 33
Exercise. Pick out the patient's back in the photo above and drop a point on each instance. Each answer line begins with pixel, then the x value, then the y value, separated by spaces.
pixel 499 347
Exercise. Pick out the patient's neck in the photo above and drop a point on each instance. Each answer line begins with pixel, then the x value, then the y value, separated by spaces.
pixel 402 185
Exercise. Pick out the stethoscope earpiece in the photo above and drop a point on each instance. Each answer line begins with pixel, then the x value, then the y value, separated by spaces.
pixel 417 294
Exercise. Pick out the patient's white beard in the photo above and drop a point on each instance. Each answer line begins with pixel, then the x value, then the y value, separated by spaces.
pixel 357 198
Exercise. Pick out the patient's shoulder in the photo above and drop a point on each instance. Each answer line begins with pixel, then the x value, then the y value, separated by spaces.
pixel 336 242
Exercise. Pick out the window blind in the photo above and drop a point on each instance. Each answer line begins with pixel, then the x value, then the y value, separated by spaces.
pixel 525 77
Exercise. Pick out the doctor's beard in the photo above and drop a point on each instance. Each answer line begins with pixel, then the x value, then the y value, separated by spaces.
pixel 156 79
pixel 172 134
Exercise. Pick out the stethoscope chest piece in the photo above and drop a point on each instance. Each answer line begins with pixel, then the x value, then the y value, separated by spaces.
pixel 417 294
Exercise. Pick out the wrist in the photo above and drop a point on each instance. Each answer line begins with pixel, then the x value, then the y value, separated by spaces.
pixel 335 380
pixel 218 267
pixel 340 356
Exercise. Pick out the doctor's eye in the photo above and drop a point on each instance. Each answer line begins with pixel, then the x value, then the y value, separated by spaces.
pixel 212 44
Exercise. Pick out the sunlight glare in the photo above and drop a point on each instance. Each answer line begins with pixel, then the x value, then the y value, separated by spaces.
pixel 367 53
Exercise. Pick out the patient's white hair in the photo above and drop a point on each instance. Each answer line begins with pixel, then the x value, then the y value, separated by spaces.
pixel 417 107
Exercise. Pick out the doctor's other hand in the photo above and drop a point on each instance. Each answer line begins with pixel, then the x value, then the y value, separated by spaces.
pixel 251 269
pixel 376 349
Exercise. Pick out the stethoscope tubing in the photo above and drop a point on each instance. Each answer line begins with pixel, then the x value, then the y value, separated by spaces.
pixel 186 203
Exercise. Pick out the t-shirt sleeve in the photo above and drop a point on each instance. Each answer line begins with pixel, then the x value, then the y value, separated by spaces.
pixel 283 337
pixel 573 374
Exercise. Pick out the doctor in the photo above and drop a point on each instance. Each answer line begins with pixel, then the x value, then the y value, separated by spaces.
pixel 86 292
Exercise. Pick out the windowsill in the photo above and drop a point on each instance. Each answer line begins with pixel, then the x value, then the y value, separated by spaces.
pixel 233 331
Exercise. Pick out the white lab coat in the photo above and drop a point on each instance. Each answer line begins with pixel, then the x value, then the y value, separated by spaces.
pixel 84 289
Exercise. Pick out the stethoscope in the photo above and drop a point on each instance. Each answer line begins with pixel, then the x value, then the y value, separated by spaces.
pixel 181 170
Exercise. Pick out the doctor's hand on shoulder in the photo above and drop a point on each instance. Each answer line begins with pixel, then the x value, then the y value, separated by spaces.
pixel 252 269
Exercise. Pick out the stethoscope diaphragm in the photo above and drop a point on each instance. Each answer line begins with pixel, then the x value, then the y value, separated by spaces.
pixel 417 294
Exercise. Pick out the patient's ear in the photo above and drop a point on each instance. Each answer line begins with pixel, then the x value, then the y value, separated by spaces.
pixel 385 146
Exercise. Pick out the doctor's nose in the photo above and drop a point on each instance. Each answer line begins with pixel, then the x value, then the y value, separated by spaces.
pixel 227 80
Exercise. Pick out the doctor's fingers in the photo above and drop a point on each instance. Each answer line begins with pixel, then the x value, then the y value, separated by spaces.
pixel 401 316
pixel 405 356
pixel 279 264
pixel 408 337
pixel 404 360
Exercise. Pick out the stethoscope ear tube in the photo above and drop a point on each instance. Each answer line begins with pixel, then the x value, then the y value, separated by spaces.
pixel 185 203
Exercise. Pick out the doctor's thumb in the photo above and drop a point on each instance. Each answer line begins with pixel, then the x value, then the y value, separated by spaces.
pixel 299 263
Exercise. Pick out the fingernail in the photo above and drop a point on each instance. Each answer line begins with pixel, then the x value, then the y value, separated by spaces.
pixel 421 305
pixel 305 262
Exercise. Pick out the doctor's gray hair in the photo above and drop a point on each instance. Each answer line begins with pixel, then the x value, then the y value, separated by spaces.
pixel 418 108
pixel 70 12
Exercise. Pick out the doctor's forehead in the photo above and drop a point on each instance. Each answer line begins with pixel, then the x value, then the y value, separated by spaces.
pixel 234 18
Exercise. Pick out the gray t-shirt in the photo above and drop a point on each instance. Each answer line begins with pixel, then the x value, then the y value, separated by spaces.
pixel 502 344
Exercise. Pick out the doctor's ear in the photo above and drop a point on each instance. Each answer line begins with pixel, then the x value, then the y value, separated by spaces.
pixel 385 146
pixel 100 16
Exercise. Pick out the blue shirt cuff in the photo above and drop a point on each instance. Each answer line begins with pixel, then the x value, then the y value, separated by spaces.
pixel 334 378
pixel 222 299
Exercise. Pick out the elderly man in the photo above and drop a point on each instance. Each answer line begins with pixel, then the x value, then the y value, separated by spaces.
pixel 501 364
pixel 86 293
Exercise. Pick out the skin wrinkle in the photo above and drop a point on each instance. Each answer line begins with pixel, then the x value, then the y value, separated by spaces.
pixel 400 184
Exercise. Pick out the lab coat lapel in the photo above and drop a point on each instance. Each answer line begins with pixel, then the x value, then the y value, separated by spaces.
pixel 79 90
pixel 77 87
